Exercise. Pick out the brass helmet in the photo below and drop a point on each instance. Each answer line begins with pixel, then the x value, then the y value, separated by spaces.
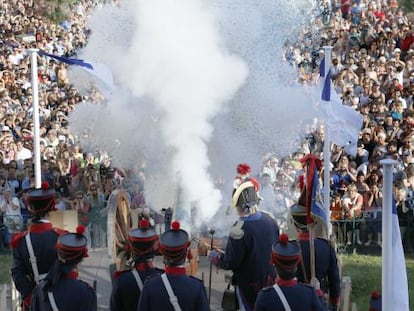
pixel 246 195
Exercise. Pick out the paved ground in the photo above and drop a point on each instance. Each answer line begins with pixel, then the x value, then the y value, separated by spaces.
pixel 96 268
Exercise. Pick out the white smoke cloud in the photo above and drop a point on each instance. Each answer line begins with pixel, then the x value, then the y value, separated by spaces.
pixel 177 59
pixel 201 88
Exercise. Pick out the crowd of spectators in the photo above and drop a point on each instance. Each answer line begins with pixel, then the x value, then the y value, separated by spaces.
pixel 372 69
pixel 83 179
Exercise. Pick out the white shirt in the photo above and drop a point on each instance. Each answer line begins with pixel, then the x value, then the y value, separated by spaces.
pixel 21 156
pixel 9 210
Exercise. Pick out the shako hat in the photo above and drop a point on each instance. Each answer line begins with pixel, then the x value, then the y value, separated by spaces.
pixel 72 247
pixel 174 244
pixel 42 200
pixel 285 254
pixel 142 239
pixel 299 213
pixel 246 195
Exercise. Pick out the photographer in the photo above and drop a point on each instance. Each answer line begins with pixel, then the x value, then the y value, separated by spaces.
pixel 373 206
pixel 403 212
pixel 349 99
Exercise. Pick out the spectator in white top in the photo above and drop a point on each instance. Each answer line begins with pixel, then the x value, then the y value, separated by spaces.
pixel 10 207
pixel 16 57
pixel 271 168
pixel 336 67
pixel 267 192
pixel 22 153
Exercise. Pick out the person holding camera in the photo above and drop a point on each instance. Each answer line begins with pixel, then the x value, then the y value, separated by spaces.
pixel 342 174
pixel 373 205
pixel 352 203
pixel 405 214
pixel 409 203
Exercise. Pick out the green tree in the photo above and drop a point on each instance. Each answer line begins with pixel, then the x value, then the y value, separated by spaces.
pixel 54 10
pixel 407 4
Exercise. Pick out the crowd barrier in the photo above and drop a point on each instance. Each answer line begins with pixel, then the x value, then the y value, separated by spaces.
pixel 367 222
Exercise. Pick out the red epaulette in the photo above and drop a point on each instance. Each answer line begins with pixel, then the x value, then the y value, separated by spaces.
pixel 60 231
pixel 15 240
pixel 118 273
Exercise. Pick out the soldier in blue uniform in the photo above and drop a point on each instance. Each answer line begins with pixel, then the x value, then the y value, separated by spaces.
pixel 326 264
pixel 248 248
pixel 61 290
pixel 34 251
pixel 287 293
pixel 128 284
pixel 174 290
pixel 375 303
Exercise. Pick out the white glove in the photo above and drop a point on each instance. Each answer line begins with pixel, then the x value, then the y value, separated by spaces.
pixel 315 283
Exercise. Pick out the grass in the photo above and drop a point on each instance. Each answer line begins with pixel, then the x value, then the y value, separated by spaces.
pixel 365 273
pixel 5 265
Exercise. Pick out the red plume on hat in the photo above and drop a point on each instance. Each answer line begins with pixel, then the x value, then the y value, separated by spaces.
pixel 255 183
pixel 243 169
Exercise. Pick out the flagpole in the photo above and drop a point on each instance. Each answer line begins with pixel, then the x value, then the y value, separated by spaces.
pixel 388 167
pixel 327 153
pixel 36 122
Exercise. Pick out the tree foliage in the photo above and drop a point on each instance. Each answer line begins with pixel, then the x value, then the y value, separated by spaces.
pixel 408 5
pixel 54 10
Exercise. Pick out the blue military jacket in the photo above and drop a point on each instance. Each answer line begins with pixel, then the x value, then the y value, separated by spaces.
pixel 190 292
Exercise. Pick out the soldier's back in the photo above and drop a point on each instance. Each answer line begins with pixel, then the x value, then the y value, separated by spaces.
pixel 190 292
pixel 299 297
